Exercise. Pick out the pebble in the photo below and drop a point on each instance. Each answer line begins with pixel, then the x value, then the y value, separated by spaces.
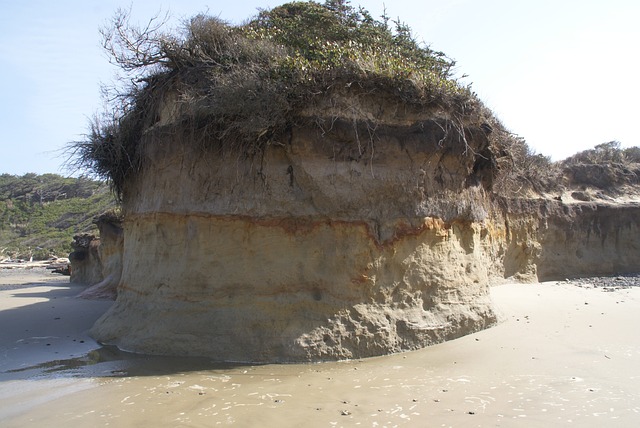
pixel 608 283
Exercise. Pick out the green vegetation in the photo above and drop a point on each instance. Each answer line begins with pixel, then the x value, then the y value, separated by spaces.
pixel 242 88
pixel 339 39
pixel 607 167
pixel 39 214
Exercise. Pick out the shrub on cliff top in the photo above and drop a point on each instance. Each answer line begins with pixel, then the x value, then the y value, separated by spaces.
pixel 242 86
pixel 605 153
pixel 606 166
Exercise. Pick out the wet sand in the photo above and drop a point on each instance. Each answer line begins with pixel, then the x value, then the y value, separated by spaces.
pixel 562 355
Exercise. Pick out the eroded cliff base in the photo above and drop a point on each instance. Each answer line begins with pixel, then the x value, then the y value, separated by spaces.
pixel 282 290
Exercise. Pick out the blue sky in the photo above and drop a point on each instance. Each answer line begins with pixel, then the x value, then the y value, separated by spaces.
pixel 561 74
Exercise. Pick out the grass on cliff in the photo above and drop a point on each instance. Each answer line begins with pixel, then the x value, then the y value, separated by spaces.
pixel 242 87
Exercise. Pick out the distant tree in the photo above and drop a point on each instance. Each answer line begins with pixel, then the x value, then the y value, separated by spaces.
pixel 632 154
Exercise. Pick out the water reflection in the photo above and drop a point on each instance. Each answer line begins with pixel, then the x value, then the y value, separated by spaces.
pixel 109 361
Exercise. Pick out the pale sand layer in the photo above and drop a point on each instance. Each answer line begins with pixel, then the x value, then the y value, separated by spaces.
pixel 563 356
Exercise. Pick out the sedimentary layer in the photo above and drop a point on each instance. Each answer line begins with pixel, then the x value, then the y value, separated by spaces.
pixel 547 239
pixel 323 248
pixel 274 289
pixel 340 243
pixel 108 260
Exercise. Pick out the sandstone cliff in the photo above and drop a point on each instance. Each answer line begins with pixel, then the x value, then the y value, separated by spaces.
pixel 331 247
pixel 316 256
pixel 84 260
pixel 105 261
pixel 547 239
pixel 315 186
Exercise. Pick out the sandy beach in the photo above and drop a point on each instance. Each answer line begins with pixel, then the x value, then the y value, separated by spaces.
pixel 562 355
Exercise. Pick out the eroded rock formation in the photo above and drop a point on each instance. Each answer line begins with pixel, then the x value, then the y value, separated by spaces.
pixel 334 246
pixel 106 260
pixel 327 247
pixel 287 199
pixel 341 243
pixel 85 261
pixel 547 239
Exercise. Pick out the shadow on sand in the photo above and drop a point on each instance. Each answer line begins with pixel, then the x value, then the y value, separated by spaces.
pixel 34 337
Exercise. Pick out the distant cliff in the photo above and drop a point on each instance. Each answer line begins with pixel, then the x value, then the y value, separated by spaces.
pixel 40 214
